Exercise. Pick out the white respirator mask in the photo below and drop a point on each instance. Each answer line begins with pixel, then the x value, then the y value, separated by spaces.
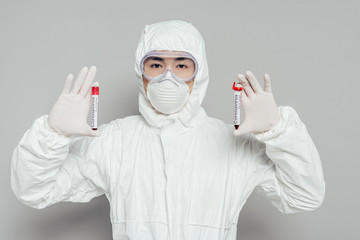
pixel 168 95
pixel 167 90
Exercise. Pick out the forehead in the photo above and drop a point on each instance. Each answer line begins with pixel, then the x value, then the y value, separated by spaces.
pixel 162 59
pixel 167 54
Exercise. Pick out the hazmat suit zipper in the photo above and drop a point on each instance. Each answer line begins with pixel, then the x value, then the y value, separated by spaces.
pixel 168 178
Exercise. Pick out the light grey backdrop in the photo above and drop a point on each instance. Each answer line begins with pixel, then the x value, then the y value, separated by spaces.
pixel 310 49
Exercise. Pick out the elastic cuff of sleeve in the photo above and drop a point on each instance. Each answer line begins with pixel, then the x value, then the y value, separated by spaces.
pixel 53 129
pixel 275 130
pixel 54 139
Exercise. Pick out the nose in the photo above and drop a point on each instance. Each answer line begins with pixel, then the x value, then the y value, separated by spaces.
pixel 168 73
pixel 169 77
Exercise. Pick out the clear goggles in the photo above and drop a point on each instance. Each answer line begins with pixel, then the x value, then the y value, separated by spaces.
pixel 155 65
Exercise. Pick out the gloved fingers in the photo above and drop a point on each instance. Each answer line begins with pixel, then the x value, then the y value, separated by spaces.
pixel 68 81
pixel 267 83
pixel 249 91
pixel 253 81
pixel 79 80
pixel 88 93
pixel 89 79
pixel 244 82
pixel 243 97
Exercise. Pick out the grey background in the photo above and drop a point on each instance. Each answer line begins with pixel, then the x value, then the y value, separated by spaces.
pixel 309 48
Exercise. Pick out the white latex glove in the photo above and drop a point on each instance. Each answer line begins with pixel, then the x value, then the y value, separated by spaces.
pixel 260 109
pixel 69 114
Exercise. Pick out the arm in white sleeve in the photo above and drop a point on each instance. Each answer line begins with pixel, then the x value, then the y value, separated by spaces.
pixel 47 168
pixel 287 165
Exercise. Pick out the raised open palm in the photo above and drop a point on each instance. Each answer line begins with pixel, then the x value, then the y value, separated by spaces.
pixel 69 113
pixel 260 109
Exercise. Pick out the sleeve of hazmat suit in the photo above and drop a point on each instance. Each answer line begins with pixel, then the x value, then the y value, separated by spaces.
pixel 48 168
pixel 287 165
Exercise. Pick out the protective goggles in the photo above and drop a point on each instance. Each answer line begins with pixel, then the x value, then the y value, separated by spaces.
pixel 156 64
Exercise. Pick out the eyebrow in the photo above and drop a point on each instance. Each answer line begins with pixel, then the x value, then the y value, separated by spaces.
pixel 161 59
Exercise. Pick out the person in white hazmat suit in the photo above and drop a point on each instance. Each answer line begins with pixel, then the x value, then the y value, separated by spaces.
pixel 171 172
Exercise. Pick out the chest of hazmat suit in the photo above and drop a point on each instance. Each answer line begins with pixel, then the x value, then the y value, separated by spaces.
pixel 183 176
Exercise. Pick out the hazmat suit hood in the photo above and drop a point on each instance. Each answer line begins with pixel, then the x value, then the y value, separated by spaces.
pixel 174 35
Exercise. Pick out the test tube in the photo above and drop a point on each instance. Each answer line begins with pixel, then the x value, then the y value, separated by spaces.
pixel 237 87
pixel 94 105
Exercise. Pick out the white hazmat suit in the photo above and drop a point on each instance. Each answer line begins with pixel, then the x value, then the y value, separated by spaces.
pixel 171 177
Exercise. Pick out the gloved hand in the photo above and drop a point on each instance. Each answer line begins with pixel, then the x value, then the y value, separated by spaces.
pixel 69 114
pixel 260 109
